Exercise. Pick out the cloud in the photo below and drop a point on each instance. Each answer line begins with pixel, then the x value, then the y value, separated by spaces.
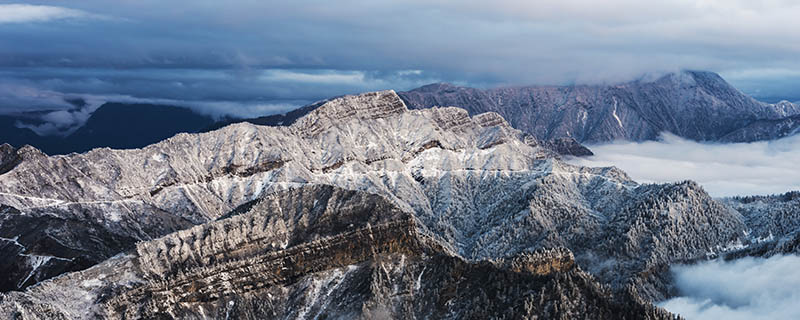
pixel 43 93
pixel 20 13
pixel 747 288
pixel 242 93
pixel 722 169
pixel 51 113
pixel 516 42
pixel 295 52
pixel 769 85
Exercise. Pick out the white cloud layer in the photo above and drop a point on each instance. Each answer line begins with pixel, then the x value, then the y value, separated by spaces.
pixel 722 169
pixel 19 13
pixel 748 288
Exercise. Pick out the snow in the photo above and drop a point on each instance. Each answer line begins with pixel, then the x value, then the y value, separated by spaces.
pixel 90 283
pixel 35 262
pixel 614 113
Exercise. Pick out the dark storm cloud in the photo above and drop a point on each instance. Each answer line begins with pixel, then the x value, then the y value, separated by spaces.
pixel 292 52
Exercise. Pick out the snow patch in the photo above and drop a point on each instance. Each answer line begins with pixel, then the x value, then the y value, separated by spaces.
pixel 614 113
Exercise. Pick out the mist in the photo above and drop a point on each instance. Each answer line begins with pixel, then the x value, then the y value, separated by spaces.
pixel 757 168
pixel 747 288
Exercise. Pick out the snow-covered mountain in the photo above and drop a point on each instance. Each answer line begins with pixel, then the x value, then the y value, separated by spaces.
pixel 361 207
pixel 691 104
pixel 321 252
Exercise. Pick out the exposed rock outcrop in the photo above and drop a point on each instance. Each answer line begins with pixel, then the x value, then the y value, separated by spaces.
pixel 346 254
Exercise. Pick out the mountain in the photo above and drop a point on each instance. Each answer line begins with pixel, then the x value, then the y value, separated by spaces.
pixel 284 119
pixel 360 208
pixel 692 104
pixel 112 125
pixel 332 253
pixel 9 133
pixel 764 130
pixel 125 126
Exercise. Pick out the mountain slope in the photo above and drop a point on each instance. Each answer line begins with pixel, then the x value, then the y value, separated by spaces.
pixel 10 134
pixel 692 104
pixel 471 192
pixel 112 125
pixel 322 252
pixel 124 126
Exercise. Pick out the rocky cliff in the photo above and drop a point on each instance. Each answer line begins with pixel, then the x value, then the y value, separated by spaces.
pixel 322 252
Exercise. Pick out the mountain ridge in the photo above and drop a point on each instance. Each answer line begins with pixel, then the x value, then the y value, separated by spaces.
pixel 479 189
pixel 563 130
pixel 695 105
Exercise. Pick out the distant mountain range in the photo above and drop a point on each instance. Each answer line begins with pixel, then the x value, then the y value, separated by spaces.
pixel 113 125
pixel 695 105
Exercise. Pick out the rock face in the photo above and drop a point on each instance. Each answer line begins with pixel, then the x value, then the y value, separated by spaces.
pixel 124 196
pixel 568 147
pixel 695 105
pixel 362 207
pixel 322 252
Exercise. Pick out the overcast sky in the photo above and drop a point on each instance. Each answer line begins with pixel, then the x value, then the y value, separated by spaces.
pixel 253 57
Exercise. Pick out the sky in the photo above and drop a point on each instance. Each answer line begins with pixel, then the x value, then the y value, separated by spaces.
pixel 747 288
pixel 732 169
pixel 249 58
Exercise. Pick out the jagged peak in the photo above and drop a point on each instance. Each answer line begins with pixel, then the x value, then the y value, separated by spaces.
pixel 371 105
pixel 29 151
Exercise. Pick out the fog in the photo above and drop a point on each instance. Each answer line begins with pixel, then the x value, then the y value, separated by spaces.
pixel 748 288
pixel 722 169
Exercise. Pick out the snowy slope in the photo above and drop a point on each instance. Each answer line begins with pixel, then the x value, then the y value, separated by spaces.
pixel 479 188
pixel 695 105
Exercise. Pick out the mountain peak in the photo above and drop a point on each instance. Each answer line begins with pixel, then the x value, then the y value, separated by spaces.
pixel 693 104
pixel 372 105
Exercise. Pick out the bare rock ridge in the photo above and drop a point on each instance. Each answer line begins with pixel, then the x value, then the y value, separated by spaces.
pixel 357 201
pixel 322 252
pixel 695 105
pixel 124 196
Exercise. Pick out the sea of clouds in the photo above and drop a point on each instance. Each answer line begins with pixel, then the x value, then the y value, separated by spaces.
pixel 748 288
pixel 766 167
